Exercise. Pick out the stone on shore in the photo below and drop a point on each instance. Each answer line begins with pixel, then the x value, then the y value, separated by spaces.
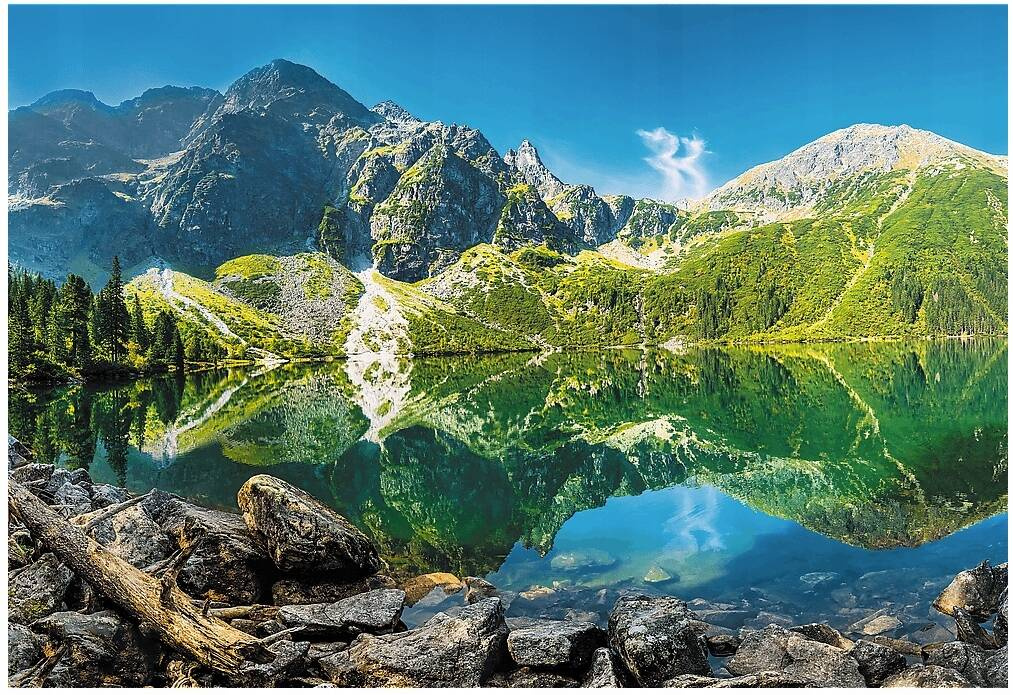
pixel 922 676
pixel 301 534
pixel 604 672
pixel 722 645
pixel 417 588
pixel 763 679
pixel 555 644
pixel 134 536
pixel 967 659
pixel 297 590
pixel 478 589
pixel 22 648
pixel 877 662
pixel 997 669
pixel 797 657
pixel 447 651
pixel 374 612
pixel 657 638
pixel 825 634
pixel 977 591
pixel 38 590
pixel 525 677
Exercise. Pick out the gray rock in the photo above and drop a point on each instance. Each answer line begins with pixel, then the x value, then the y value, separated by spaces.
pixel 71 500
pixel 722 645
pixel 22 648
pixel 582 560
pixel 553 644
pixel 301 534
pixel 997 669
pixel 605 671
pixel 825 634
pixel 1000 628
pixel 289 660
pixel 656 638
pixel 293 590
pixel 375 612
pixel 133 535
pixel 968 630
pixel 447 651
pixel 32 473
pixel 922 676
pixel 968 659
pixel 525 677
pixel 796 656
pixel 100 649
pixel 103 495
pixel 38 590
pixel 763 679
pixel 478 589
pixel 977 591
pixel 877 662
pixel 816 580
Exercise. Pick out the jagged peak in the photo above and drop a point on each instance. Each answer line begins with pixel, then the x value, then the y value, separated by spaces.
pixel 393 111
pixel 526 162
pixel 63 97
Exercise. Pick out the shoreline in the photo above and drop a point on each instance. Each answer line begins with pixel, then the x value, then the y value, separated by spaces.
pixel 294 576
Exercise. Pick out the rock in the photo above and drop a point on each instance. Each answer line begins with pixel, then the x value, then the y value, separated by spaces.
pixel 977 591
pixel 537 592
pixel 967 659
pixel 289 661
pixel 100 649
pixel 605 672
pixel 375 612
pixel 38 590
pixel 877 662
pixel 901 645
pixel 656 639
pixel 722 645
pixel 724 617
pixel 303 535
pixel 797 657
pixel 922 676
pixel 417 588
pixel 20 548
pixel 1000 628
pixel 319 650
pixel 876 625
pixel 763 679
pixel 81 478
pixel 582 560
pixel 71 500
pixel 103 495
pixel 447 651
pixel 22 648
pixel 133 535
pixel 997 669
pixel 815 580
pixel 968 630
pixel 825 634
pixel 33 472
pixel 657 575
pixel 291 591
pixel 553 644
pixel 478 589
pixel 525 677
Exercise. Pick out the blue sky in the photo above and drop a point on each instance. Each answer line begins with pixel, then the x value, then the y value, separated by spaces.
pixel 728 87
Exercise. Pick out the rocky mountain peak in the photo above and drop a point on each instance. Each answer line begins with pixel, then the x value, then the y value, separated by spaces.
pixel 63 98
pixel 395 112
pixel 529 166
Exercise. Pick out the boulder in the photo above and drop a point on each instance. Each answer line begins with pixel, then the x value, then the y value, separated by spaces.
pixel 133 535
pixel 71 500
pixel 604 672
pixel 103 495
pixel 968 630
pixel 100 649
pixel 478 589
pixel 554 644
pixel 417 588
pixel 876 625
pixel 294 590
pixel 22 648
pixel 374 612
pixel 967 659
pixel 763 679
pixel 877 662
pixel 289 661
pixel 1000 627
pixel 38 590
pixel 525 677
pixel 977 591
pixel 722 645
pixel 656 638
pixel 997 669
pixel 32 473
pixel 922 676
pixel 825 634
pixel 447 651
pixel 797 657
pixel 301 534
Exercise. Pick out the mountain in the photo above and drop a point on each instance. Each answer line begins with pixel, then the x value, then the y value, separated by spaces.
pixel 868 231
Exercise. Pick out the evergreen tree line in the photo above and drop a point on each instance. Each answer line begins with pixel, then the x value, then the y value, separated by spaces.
pixel 59 331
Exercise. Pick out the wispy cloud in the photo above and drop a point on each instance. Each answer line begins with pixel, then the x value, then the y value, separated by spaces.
pixel 678 160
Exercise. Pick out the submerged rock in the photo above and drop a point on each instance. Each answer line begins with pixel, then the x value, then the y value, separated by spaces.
pixel 877 662
pixel 375 612
pixel 447 651
pixel 38 590
pixel 722 645
pixel 417 588
pixel 553 644
pixel 604 672
pixel 796 656
pixel 922 676
pixel 582 560
pixel 657 575
pixel 977 591
pixel 301 534
pixel 657 638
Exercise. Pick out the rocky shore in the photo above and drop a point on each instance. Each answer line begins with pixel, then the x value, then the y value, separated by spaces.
pixel 311 592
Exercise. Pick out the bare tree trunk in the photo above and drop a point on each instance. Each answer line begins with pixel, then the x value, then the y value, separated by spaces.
pixel 160 604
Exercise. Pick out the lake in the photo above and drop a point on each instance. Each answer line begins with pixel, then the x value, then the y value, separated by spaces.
pixel 817 482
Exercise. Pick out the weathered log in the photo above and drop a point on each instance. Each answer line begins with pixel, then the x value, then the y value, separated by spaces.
pixel 257 612
pixel 174 615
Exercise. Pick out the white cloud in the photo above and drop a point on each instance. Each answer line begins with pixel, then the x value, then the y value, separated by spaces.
pixel 678 160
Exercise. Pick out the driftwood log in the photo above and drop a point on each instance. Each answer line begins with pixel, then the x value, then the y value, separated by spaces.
pixel 173 615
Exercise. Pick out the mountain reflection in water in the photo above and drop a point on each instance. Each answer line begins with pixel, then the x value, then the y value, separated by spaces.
pixel 538 468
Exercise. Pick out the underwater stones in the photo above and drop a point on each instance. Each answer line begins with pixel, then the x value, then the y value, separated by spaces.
pixel 297 590
pixel 604 672
pixel 977 591
pixel 375 612
pixel 877 662
pixel 657 575
pixel 417 588
pixel 876 625
pixel 447 651
pixel 582 560
pixel 554 644
pixel 922 676
pixel 656 638
pixel 38 590
pixel 301 534
pixel 815 580
pixel 796 656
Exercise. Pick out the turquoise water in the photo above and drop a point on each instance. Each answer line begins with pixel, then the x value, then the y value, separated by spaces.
pixel 798 482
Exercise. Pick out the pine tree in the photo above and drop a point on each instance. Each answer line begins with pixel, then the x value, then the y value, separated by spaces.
pixel 114 319
pixel 74 303
pixel 177 351
pixel 139 328
pixel 21 339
